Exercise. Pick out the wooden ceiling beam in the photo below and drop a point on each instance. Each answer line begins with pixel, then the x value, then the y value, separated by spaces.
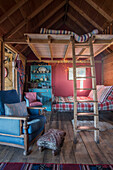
pixel 58 25
pixel 67 51
pixel 75 7
pixel 103 48
pixel 50 47
pixel 61 41
pixel 15 50
pixel 24 48
pixel 35 51
pixel 99 10
pixel 77 22
pixel 25 21
pixel 15 29
pixel 15 41
pixel 69 25
pixel 49 15
pixel 55 20
pixel 81 52
pixel 62 61
pixel 12 10
pixel 39 9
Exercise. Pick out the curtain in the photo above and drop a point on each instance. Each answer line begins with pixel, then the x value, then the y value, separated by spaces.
pixel 20 76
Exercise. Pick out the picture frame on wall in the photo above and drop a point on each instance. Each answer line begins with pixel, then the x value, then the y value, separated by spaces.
pixel 80 72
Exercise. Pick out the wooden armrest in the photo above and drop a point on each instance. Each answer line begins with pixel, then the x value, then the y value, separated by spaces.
pixel 14 117
pixel 39 108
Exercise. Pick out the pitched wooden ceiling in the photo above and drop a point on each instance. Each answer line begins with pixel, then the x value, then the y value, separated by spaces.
pixel 28 16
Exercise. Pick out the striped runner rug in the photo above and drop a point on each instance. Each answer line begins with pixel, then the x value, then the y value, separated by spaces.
pixel 30 166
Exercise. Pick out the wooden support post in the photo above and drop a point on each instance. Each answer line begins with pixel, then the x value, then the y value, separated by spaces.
pixel 96 119
pixel 111 25
pixel 25 138
pixel 2 69
pixel 50 47
pixel 75 92
pixel 102 75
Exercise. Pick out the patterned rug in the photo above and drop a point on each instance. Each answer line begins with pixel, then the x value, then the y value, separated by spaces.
pixel 102 125
pixel 28 166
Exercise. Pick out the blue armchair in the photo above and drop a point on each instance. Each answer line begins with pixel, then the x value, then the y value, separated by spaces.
pixel 19 131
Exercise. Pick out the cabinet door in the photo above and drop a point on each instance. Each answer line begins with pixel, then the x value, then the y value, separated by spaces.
pixel 46 95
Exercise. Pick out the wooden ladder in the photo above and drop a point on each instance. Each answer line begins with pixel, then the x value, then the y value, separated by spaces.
pixel 95 128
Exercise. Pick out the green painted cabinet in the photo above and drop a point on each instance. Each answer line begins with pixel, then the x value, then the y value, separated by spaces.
pixel 42 74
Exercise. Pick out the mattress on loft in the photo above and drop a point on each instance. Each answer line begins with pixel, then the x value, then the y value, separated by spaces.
pixel 64 104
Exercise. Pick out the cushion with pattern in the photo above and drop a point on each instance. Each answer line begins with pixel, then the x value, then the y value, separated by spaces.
pixel 16 109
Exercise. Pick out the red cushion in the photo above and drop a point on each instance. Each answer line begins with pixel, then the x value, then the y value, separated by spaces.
pixel 31 96
pixel 35 103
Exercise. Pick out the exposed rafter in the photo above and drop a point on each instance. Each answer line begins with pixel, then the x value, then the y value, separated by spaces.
pixel 33 14
pixel 66 10
pixel 62 61
pixel 35 51
pixel 15 50
pixel 21 10
pixel 75 7
pixel 77 22
pixel 12 10
pixel 71 27
pixel 55 20
pixel 81 52
pixel 67 51
pixel 100 10
pixel 49 15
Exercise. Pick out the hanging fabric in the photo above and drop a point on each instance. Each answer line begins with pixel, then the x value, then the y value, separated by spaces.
pixel 20 76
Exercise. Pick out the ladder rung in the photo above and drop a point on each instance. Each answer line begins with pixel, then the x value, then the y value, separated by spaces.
pixel 83 55
pixel 86 128
pixel 85 88
pixel 85 77
pixel 92 101
pixel 86 114
pixel 86 66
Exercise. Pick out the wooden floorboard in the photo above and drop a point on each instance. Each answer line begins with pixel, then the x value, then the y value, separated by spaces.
pixel 86 151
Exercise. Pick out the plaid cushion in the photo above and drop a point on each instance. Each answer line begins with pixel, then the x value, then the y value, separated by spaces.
pixel 104 92
pixel 107 105
pixel 99 87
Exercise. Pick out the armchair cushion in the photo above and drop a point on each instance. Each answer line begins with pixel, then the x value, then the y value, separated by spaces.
pixel 35 103
pixel 36 124
pixel 31 96
pixel 9 96
pixel 16 109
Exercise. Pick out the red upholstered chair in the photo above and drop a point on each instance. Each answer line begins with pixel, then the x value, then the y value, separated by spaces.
pixel 31 99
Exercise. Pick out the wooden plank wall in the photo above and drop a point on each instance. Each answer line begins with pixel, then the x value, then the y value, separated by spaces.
pixel 9 78
pixel 107 61
pixel 108 70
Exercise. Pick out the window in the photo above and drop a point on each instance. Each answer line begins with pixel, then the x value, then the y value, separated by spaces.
pixel 80 72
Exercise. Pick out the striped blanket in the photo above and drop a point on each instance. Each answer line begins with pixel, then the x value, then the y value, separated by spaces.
pixel 82 38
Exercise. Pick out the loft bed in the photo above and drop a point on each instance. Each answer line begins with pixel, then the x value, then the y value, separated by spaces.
pixel 105 101
pixel 52 48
